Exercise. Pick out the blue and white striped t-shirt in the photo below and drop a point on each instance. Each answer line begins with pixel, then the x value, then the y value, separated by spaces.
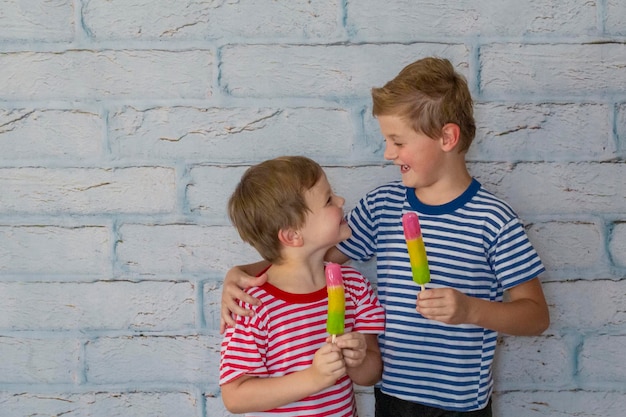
pixel 476 244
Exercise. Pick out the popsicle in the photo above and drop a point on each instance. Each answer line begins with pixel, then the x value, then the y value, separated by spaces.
pixel 336 300
pixel 417 251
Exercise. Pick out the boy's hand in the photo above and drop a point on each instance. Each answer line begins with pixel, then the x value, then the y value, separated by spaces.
pixel 235 282
pixel 328 365
pixel 446 305
pixel 353 348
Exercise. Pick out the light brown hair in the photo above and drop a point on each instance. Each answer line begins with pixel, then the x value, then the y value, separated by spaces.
pixel 270 197
pixel 429 94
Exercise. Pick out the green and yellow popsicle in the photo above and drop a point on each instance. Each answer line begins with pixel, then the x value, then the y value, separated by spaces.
pixel 336 300
pixel 417 251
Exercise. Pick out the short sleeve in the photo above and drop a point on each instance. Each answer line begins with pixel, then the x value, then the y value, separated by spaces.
pixel 369 314
pixel 513 258
pixel 243 348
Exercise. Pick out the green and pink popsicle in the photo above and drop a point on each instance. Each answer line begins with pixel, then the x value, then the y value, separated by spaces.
pixel 336 300
pixel 417 251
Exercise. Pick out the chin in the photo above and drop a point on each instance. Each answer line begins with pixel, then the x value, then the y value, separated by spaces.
pixel 408 183
pixel 346 232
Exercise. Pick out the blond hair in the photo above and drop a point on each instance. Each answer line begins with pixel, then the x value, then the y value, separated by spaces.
pixel 429 94
pixel 270 198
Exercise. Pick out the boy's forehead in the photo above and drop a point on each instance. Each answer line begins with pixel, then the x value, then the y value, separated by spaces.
pixel 322 182
pixel 393 123
pixel 322 186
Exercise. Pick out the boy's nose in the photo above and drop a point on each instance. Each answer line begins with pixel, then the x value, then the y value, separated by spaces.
pixel 389 154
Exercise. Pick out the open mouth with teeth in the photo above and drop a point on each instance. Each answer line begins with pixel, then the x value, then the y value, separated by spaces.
pixel 404 168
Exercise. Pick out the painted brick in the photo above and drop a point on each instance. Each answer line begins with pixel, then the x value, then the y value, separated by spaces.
pixel 352 183
pixel 321 71
pixel 390 20
pixel 364 401
pixel 586 306
pixel 568 245
pixel 229 134
pixel 179 248
pixel 60 250
pixel 527 362
pixel 621 128
pixel 603 359
pixel 540 403
pixel 212 299
pixel 216 406
pixel 37 21
pixel 111 74
pixel 552 69
pixel 50 135
pixel 88 190
pixel 615 22
pixel 211 187
pixel 216 20
pixel 100 404
pixel 124 126
pixel 557 188
pixel 103 305
pixel 617 244
pixel 126 359
pixel 39 360
pixel 542 132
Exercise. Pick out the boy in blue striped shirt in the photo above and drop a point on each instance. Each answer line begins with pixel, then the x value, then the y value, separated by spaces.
pixel 439 344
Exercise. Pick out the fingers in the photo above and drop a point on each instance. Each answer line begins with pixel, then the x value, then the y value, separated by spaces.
pixel 235 283
pixel 444 304
pixel 231 306
pixel 353 348
pixel 231 293
pixel 352 340
pixel 248 281
pixel 231 303
pixel 223 325
pixel 330 360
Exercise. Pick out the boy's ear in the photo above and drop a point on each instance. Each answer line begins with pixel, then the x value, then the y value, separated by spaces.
pixel 290 237
pixel 450 134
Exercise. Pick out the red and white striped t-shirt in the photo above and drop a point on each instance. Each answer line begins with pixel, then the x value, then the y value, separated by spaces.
pixel 286 331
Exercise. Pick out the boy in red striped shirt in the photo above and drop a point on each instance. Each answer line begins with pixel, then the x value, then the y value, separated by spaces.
pixel 280 361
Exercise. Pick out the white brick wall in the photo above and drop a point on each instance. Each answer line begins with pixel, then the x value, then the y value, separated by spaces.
pixel 125 124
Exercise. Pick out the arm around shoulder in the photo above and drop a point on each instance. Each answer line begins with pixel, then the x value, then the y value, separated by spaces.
pixel 237 279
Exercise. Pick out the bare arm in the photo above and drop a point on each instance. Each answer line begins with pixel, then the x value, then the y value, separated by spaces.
pixel 335 255
pixel 524 314
pixel 249 394
pixel 362 356
pixel 236 280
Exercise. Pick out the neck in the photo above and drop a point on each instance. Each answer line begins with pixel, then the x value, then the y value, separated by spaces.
pixel 446 188
pixel 298 277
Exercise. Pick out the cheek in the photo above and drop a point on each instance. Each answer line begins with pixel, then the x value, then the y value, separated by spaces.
pixel 419 157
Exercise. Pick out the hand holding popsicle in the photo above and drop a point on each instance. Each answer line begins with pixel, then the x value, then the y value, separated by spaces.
pixel 336 300
pixel 417 251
